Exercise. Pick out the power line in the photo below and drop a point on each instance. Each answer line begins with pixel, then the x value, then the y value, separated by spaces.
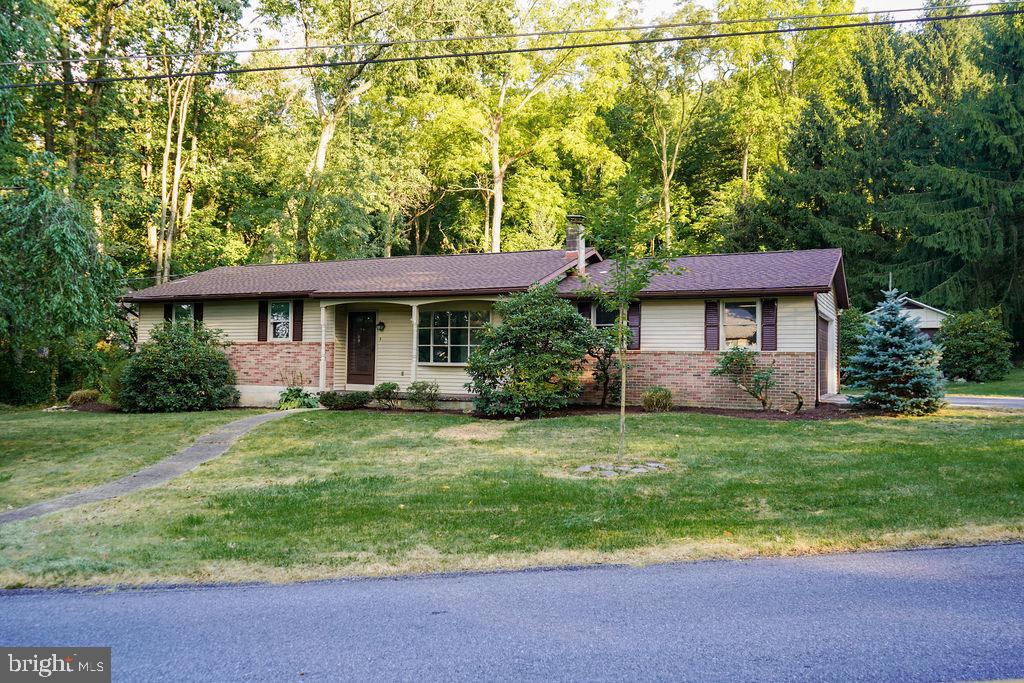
pixel 503 36
pixel 509 51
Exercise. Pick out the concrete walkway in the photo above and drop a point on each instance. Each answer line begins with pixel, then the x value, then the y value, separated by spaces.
pixel 207 447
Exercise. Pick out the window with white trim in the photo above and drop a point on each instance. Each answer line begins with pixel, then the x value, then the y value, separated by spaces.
pixel 448 337
pixel 740 323
pixel 280 320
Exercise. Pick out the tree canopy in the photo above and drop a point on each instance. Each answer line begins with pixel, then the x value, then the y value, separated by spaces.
pixel 902 146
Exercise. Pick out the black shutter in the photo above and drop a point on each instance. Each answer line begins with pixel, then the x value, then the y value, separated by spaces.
pixel 261 322
pixel 633 320
pixel 168 312
pixel 769 324
pixel 297 320
pixel 710 325
pixel 584 308
pixel 197 311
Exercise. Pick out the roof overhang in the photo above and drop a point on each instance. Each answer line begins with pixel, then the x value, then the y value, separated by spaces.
pixel 716 293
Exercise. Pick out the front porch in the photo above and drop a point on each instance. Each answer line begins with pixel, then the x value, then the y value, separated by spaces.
pixel 400 340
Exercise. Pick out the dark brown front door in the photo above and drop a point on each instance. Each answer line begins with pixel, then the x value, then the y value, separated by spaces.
pixel 362 342
pixel 822 356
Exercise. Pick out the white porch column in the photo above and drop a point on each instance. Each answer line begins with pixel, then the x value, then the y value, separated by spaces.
pixel 415 339
pixel 323 346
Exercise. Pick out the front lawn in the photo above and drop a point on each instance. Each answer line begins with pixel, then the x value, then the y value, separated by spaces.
pixel 48 454
pixel 328 494
pixel 1013 385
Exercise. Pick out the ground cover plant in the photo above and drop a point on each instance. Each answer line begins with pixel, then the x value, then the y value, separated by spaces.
pixel 367 492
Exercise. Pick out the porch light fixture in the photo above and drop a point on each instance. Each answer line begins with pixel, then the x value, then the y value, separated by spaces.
pixel 380 326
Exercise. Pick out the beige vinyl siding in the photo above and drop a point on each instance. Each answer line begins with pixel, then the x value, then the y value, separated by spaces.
pixel 678 325
pixel 238 320
pixel 672 325
pixel 827 305
pixel 795 323
pixel 150 315
pixel 340 346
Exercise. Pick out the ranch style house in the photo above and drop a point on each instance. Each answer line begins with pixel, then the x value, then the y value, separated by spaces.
pixel 351 324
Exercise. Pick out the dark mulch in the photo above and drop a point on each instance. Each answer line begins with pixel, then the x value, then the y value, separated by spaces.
pixel 96 407
pixel 825 411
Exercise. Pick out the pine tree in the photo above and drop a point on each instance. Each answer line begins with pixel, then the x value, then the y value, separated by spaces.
pixel 897 364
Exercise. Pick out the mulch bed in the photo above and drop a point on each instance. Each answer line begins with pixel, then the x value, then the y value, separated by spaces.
pixel 96 407
pixel 825 411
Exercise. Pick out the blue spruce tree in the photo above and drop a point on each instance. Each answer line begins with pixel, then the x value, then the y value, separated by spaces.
pixel 897 364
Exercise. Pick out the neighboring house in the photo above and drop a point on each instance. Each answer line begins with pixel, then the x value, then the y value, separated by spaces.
pixel 348 325
pixel 927 318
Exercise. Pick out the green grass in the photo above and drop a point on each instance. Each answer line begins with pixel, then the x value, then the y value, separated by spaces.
pixel 1013 385
pixel 327 494
pixel 45 455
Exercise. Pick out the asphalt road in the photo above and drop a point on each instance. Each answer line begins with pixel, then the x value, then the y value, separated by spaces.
pixel 917 615
pixel 986 402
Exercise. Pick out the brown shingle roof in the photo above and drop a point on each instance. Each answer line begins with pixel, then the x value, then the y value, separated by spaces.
pixel 401 276
pixel 779 272
pixel 774 272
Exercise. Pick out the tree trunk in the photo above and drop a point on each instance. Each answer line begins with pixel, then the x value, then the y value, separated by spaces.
pixel 498 184
pixel 622 330
pixel 314 175
pixel 179 167
pixel 70 117
pixel 666 208
pixel 745 164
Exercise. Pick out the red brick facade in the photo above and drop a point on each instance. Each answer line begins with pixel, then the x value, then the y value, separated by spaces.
pixel 687 374
pixel 279 363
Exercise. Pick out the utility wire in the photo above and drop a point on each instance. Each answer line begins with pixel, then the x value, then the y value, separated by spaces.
pixel 510 51
pixel 504 36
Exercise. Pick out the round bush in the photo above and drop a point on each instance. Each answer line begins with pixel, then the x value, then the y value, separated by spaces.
pixel 975 346
pixel 532 361
pixel 178 369
pixel 656 400
pixel 83 396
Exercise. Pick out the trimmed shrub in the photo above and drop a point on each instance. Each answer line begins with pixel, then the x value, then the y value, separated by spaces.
pixel 332 400
pixel 897 365
pixel 180 368
pixel 975 346
pixel 532 361
pixel 83 396
pixel 386 394
pixel 656 400
pixel 739 365
pixel 296 397
pixel 423 394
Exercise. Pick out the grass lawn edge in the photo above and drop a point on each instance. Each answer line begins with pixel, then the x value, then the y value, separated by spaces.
pixel 240 574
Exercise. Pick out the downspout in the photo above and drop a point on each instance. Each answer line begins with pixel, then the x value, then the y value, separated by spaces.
pixel 323 346
pixel 415 322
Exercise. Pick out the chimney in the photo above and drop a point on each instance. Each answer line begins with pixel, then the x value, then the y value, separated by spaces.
pixel 575 244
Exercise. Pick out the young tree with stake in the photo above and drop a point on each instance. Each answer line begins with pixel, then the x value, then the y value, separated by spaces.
pixel 623 230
